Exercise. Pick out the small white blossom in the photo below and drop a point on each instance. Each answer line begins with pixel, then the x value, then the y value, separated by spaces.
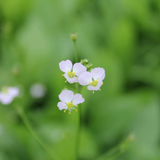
pixel 69 100
pixel 93 79
pixel 37 90
pixel 8 94
pixel 71 71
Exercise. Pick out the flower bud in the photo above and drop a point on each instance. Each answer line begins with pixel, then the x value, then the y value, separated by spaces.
pixel 15 71
pixel 87 64
pixel 73 36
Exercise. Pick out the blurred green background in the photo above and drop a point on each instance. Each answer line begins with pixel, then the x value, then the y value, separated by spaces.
pixel 122 36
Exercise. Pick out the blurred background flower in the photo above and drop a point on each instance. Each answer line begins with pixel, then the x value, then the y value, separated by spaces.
pixel 37 90
pixel 121 36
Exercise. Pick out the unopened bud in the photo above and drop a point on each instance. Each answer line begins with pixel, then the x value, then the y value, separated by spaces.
pixel 84 61
pixel 15 71
pixel 73 36
pixel 87 64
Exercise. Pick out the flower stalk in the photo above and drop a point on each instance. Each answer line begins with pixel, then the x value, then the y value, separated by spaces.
pixel 118 150
pixel 28 126
pixel 75 49
pixel 79 110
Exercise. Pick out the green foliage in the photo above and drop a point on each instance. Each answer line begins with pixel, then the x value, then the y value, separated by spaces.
pixel 122 36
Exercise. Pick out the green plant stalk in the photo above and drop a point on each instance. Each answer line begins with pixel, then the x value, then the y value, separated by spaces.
pixel 108 154
pixel 78 132
pixel 79 110
pixel 117 150
pixel 115 156
pixel 27 124
pixel 76 54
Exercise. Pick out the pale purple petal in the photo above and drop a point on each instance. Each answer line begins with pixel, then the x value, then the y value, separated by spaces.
pixel 85 78
pixel 70 80
pixel 61 105
pixel 78 68
pixel 65 65
pixel 13 91
pixel 5 98
pixel 77 99
pixel 66 96
pixel 98 73
pixel 90 87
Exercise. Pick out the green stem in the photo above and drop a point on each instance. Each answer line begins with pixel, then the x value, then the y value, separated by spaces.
pixel 79 110
pixel 115 156
pixel 109 153
pixel 27 124
pixel 75 49
pixel 78 132
pixel 117 150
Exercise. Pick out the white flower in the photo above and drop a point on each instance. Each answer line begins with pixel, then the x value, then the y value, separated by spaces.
pixel 8 94
pixel 69 100
pixel 37 90
pixel 93 79
pixel 71 71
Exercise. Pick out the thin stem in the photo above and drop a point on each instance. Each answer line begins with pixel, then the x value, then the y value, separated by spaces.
pixel 27 124
pixel 117 150
pixel 78 132
pixel 108 154
pixel 115 156
pixel 79 110
pixel 75 49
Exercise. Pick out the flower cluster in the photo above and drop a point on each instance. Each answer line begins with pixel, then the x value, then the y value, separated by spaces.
pixel 8 94
pixel 78 73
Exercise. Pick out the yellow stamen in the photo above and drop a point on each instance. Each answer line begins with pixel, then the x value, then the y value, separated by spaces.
pixel 62 74
pixel 77 106
pixel 69 112
pixel 71 74
pixel 65 81
pixel 70 105
pixel 94 83
pixel 76 77
pixel 76 110
pixel 99 89
pixel 64 111
pixel 5 90
pixel 102 83
pixel 93 92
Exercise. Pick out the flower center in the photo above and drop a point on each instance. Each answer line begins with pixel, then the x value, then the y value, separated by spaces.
pixel 70 105
pixel 5 90
pixel 71 74
pixel 94 83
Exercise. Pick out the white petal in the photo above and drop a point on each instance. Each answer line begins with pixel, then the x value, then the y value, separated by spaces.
pixel 70 80
pixel 100 83
pixel 90 87
pixel 5 98
pixel 61 105
pixel 78 68
pixel 77 99
pixel 66 96
pixel 65 65
pixel 98 73
pixel 85 78
pixel 13 91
